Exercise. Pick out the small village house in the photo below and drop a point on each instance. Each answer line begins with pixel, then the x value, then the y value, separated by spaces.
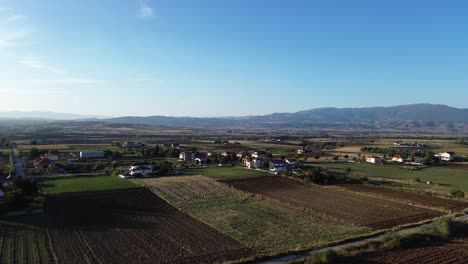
pixel 277 165
pixel 374 159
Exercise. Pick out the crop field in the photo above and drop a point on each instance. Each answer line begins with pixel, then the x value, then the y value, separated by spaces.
pixel 227 173
pixel 455 251
pixel 84 183
pixel 447 205
pixel 448 176
pixel 373 212
pixel 132 226
pixel 24 240
pixel 254 222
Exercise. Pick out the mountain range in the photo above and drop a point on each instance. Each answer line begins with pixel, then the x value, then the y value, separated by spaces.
pixel 415 115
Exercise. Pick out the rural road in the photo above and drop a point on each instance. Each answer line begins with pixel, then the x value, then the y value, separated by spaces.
pixel 18 163
pixel 299 255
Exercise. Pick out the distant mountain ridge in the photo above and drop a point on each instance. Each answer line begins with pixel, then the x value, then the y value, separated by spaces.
pixel 403 117
pixel 43 115
pixel 404 113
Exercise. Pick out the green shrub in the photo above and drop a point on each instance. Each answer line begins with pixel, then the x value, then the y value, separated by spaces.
pixel 325 257
pixel 457 193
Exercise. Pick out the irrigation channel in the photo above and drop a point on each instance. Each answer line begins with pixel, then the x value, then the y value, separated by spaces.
pixel 304 254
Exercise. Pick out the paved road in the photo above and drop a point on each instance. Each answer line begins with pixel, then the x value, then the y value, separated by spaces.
pixel 297 256
pixel 18 163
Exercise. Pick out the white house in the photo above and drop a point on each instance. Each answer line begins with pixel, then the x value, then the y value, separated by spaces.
pixel 254 163
pixel 187 156
pixel 292 162
pixel 240 155
pixel 398 158
pixel 374 159
pixel 302 151
pixel 140 169
pixel 259 155
pixel 446 156
pixel 277 165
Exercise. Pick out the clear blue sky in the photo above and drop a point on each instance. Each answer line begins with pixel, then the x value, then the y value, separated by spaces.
pixel 232 57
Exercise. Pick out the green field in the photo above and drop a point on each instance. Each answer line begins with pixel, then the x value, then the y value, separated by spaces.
pixel 252 221
pixel 24 240
pixel 450 177
pixel 228 173
pixel 85 183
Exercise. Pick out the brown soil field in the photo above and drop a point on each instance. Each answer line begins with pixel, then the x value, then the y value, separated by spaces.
pixel 455 251
pixel 351 207
pixel 407 197
pixel 132 226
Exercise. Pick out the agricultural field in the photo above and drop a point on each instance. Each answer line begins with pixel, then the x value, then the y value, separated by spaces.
pixel 253 221
pixel 24 240
pixel 132 226
pixel 373 212
pixel 455 251
pixel 227 173
pixel 84 183
pixel 450 177
pixel 427 201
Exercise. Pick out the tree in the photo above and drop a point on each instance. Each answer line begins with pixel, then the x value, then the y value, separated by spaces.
pixel 457 193
pixel 34 153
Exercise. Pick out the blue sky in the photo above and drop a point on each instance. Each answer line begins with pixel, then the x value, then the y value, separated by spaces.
pixel 220 58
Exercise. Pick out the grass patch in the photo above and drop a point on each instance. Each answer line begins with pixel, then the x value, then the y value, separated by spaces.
pixel 228 173
pixel 24 240
pixel 85 183
pixel 252 221
pixel 446 176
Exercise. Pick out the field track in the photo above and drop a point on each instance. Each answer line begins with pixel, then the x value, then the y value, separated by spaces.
pixel 132 226
pixel 374 212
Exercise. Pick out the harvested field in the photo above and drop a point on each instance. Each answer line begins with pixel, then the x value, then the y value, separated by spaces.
pixel 260 223
pixel 132 226
pixel 455 251
pixel 406 197
pixel 374 212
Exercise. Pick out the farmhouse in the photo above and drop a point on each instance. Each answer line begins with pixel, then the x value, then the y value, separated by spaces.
pixel 398 158
pixel 253 163
pixel 187 156
pixel 203 160
pixel 277 165
pixel 374 159
pixel 259 155
pixel 292 162
pixel 141 168
pixel 42 163
pixel 302 151
pixel 446 156
pixel 92 154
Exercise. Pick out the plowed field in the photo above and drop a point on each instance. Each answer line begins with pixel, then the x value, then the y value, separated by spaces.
pixel 132 226
pixel 410 198
pixel 374 212
pixel 454 252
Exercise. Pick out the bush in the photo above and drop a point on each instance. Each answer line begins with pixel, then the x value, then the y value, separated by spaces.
pixel 325 257
pixel 457 193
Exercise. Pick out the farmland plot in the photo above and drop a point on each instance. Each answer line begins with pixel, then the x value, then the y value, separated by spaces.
pixel 254 222
pixel 406 197
pixel 374 212
pixel 24 240
pixel 455 251
pixel 132 226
